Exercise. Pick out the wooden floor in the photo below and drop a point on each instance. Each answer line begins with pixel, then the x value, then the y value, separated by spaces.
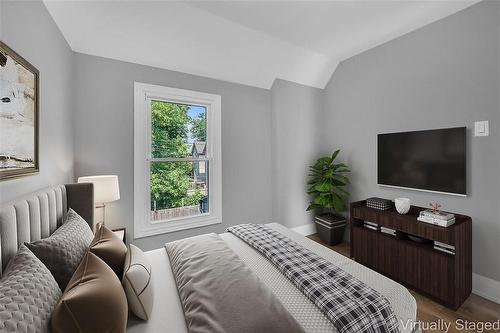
pixel 476 310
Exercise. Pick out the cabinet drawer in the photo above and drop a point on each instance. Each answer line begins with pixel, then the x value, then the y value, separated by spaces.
pixel 376 216
pixel 388 221
pixel 365 213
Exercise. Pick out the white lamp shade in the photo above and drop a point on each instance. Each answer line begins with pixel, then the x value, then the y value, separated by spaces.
pixel 106 187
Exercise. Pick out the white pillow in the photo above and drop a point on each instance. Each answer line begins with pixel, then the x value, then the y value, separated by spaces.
pixel 137 282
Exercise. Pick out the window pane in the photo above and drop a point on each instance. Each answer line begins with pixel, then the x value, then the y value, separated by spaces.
pixel 178 189
pixel 178 130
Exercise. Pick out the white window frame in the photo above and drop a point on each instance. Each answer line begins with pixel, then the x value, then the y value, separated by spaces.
pixel 143 94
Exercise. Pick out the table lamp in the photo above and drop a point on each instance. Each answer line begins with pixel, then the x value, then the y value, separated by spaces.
pixel 106 189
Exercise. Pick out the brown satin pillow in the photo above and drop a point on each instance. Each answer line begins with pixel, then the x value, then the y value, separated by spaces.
pixel 94 300
pixel 107 246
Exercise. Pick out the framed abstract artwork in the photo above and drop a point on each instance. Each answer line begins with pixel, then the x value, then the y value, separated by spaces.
pixel 18 115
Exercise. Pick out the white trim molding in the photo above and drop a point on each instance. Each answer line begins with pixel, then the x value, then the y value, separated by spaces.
pixel 486 287
pixel 305 229
pixel 143 95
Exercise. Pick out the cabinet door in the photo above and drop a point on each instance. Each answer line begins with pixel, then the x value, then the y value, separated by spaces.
pixel 360 250
pixel 389 256
pixel 371 250
pixel 436 275
pixel 410 264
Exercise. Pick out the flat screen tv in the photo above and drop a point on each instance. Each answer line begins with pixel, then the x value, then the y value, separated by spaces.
pixel 431 160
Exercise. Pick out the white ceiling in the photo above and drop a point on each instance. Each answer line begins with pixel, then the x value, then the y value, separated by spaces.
pixel 248 42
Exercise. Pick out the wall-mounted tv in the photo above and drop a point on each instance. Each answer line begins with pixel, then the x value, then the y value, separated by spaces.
pixel 430 160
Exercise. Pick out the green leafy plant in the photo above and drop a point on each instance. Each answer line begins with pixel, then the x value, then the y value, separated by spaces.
pixel 327 180
pixel 199 127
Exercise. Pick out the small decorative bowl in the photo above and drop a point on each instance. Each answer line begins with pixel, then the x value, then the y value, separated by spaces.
pixel 402 205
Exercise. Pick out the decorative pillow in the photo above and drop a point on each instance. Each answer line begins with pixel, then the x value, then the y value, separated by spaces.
pixel 64 249
pixel 94 300
pixel 107 246
pixel 28 294
pixel 137 282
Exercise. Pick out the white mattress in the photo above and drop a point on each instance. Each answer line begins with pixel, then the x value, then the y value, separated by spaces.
pixel 168 315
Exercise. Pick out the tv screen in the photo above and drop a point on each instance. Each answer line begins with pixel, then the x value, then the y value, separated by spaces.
pixel 432 160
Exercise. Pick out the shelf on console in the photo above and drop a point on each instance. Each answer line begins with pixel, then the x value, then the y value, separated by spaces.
pixel 402 237
pixel 408 223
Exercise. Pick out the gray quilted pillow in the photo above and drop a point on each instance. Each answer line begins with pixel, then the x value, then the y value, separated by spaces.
pixel 28 294
pixel 63 250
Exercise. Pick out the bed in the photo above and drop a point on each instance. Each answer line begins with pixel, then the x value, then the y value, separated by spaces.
pixel 306 313
pixel 38 215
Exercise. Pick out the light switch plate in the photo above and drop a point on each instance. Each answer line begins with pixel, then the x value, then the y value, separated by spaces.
pixel 481 128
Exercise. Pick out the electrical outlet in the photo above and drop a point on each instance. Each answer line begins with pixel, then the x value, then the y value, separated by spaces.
pixel 481 128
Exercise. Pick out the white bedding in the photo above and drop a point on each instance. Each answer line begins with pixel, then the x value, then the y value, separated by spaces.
pixel 168 315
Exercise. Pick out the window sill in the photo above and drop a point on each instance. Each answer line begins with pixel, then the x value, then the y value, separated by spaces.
pixel 152 229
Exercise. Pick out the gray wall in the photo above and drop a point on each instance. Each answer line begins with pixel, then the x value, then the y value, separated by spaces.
pixel 28 29
pixel 443 75
pixel 104 139
pixel 295 140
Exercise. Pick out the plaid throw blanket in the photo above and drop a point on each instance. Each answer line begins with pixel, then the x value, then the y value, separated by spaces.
pixel 350 304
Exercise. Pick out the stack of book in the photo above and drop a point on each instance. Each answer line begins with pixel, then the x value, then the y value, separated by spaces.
pixel 439 218
pixel 379 203
pixel 371 225
pixel 388 231
pixel 450 249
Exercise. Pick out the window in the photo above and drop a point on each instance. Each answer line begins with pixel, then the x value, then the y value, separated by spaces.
pixel 177 159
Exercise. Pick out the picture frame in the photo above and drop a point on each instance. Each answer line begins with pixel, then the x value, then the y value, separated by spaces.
pixel 19 115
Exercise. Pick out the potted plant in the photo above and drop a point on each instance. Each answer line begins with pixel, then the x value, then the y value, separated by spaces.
pixel 327 180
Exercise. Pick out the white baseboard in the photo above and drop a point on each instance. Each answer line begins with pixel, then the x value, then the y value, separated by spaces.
pixel 486 287
pixel 305 229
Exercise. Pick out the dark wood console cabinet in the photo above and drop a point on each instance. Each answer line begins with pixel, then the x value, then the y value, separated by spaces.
pixel 446 278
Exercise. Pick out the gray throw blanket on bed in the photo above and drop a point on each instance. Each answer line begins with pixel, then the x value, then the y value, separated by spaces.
pixel 220 294
pixel 350 304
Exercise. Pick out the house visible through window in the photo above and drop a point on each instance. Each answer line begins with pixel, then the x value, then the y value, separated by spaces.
pixel 177 159
pixel 178 178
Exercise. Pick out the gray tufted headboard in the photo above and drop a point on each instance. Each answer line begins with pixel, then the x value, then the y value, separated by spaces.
pixel 39 214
